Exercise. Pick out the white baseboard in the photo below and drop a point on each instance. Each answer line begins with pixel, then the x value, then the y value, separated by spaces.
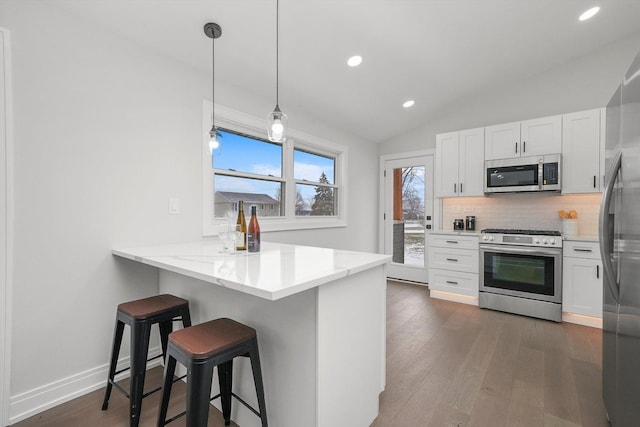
pixel 594 322
pixel 32 402
pixel 450 296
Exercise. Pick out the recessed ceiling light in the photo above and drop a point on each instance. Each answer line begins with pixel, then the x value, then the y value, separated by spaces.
pixel 408 103
pixel 354 61
pixel 589 13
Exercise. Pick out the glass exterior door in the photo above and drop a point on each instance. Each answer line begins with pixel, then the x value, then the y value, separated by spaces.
pixel 408 213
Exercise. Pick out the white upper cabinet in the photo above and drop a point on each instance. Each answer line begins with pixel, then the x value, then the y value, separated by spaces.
pixel 471 164
pixel 520 139
pixel 447 159
pixel 582 151
pixel 502 141
pixel 459 163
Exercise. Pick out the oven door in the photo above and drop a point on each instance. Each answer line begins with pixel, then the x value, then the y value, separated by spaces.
pixel 522 271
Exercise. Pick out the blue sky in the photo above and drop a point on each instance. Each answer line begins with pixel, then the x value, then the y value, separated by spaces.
pixel 260 157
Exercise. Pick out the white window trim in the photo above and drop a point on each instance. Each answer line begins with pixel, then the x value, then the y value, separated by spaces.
pixel 241 122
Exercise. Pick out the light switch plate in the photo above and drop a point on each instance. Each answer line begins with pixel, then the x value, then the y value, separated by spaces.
pixel 174 206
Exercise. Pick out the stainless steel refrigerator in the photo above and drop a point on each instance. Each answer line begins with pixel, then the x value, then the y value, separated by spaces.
pixel 620 250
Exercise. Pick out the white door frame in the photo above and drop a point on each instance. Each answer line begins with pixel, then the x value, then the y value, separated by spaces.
pixel 381 210
pixel 6 222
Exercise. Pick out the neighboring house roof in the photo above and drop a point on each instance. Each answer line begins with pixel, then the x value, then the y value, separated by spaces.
pixel 247 198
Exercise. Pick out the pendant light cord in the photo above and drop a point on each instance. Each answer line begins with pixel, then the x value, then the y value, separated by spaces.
pixel 277 50
pixel 213 82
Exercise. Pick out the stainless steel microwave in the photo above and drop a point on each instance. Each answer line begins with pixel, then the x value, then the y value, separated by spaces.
pixel 535 173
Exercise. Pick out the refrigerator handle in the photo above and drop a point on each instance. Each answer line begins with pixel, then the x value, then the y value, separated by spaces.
pixel 603 226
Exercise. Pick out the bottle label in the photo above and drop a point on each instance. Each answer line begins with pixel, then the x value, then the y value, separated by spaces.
pixel 240 242
pixel 253 242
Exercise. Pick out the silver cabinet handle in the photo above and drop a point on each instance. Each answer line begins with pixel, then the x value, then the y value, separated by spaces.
pixel 452 241
pixel 454 187
pixel 460 188
pixel 516 147
pixel 597 271
pixel 452 259
pixel 524 146
pixel 582 250
pixel 451 282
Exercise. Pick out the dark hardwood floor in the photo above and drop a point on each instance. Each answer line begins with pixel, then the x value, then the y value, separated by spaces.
pixel 453 365
pixel 448 365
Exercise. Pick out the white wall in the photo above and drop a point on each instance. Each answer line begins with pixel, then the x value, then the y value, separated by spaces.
pixel 585 83
pixel 105 133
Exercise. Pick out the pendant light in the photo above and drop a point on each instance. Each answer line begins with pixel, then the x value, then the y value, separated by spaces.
pixel 277 120
pixel 213 31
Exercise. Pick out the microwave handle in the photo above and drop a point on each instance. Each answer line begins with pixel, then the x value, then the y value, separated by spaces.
pixel 540 175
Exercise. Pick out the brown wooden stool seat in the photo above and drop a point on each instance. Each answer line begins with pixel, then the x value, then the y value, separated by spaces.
pixel 140 315
pixel 200 348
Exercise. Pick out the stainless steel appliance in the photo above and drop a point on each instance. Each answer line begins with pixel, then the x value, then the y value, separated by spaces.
pixel 521 272
pixel 619 228
pixel 470 223
pixel 536 173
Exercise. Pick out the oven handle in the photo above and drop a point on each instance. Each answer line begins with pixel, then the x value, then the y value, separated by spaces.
pixel 521 250
pixel 603 226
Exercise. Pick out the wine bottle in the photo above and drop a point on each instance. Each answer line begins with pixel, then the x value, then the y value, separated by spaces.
pixel 241 238
pixel 253 234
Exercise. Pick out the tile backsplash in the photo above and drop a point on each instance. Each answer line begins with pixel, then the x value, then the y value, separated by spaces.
pixel 523 210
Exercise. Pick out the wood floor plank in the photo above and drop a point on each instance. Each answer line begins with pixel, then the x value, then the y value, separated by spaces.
pixel 448 365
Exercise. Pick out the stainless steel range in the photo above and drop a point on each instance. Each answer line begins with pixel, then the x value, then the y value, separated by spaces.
pixel 521 272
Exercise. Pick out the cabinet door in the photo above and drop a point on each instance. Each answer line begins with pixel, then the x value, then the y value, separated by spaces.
pixel 502 141
pixel 541 136
pixel 581 152
pixel 446 169
pixel 471 164
pixel 582 286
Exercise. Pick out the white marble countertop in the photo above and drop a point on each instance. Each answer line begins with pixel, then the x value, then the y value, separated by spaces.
pixel 456 232
pixel 581 237
pixel 276 272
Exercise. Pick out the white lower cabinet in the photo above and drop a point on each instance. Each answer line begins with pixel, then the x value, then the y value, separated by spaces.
pixel 582 281
pixel 453 267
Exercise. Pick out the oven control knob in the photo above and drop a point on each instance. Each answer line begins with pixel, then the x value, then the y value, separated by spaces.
pixel 536 241
pixel 552 241
pixel 544 241
pixel 491 238
pixel 485 237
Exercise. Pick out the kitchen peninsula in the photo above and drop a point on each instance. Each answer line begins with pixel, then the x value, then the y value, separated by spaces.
pixel 320 315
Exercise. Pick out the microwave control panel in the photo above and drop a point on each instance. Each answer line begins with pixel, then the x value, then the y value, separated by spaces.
pixel 550 173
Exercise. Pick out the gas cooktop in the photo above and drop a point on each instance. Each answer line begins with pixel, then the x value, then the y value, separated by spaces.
pixel 518 231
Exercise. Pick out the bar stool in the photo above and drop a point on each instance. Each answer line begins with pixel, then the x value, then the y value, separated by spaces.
pixel 140 315
pixel 200 348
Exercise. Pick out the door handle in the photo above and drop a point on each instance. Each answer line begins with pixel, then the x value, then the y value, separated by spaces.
pixel 516 147
pixel 460 188
pixel 594 181
pixel 524 146
pixel 603 225
pixel 454 187
pixel 597 271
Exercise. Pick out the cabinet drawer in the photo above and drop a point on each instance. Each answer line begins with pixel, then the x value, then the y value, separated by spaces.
pixel 578 249
pixel 453 241
pixel 453 281
pixel 454 259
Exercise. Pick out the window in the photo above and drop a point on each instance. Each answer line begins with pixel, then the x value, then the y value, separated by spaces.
pixel 295 185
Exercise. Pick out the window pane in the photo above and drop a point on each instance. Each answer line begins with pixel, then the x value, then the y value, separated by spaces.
pixel 315 200
pixel 265 195
pixel 245 154
pixel 312 167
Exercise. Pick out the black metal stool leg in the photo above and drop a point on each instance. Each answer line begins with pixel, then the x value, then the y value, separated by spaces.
pixel 115 352
pixel 225 380
pixel 254 355
pixel 169 371
pixel 199 378
pixel 165 329
pixel 140 332
pixel 186 318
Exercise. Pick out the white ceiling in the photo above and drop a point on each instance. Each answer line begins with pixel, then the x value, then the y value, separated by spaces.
pixel 433 51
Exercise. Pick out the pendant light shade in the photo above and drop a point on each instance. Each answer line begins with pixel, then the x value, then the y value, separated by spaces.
pixel 213 31
pixel 277 120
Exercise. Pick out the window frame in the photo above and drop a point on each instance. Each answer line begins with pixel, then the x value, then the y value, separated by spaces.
pixel 251 126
